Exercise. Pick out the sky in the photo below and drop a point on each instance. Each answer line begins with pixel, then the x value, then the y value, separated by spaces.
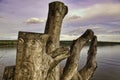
pixel 102 16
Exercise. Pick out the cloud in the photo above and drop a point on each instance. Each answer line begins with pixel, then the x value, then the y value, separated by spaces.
pixel 98 29
pixel 106 9
pixel 68 37
pixel 106 15
pixel 1 16
pixel 102 10
pixel 25 8
pixel 74 17
pixel 34 20
pixel 111 38
pixel 10 36
pixel 114 31
pixel 86 3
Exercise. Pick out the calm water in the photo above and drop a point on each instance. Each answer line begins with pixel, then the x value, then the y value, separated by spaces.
pixel 108 58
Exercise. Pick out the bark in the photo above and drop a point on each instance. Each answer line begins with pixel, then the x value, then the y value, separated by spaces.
pixel 57 11
pixel 58 55
pixel 62 54
pixel 72 62
pixel 32 61
pixel 87 71
pixel 9 73
pixel 39 55
pixel 30 45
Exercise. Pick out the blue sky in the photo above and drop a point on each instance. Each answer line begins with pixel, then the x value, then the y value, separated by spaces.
pixel 102 16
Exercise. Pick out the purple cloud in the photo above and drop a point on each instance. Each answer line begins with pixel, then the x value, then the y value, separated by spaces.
pixel 82 14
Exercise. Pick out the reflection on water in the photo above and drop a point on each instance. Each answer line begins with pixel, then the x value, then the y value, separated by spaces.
pixel 108 58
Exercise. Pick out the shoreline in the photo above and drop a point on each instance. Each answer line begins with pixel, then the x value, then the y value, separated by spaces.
pixel 8 42
pixel 64 43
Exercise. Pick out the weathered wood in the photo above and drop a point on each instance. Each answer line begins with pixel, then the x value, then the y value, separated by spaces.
pixel 87 71
pixel 39 55
pixel 58 55
pixel 32 61
pixel 9 73
pixel 72 62
pixel 58 51
pixel 57 11
pixel 61 52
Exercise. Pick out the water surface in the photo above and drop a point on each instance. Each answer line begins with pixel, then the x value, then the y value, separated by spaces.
pixel 108 58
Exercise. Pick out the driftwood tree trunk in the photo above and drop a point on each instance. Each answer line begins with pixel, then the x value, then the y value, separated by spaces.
pixel 70 70
pixel 57 11
pixel 39 55
pixel 33 63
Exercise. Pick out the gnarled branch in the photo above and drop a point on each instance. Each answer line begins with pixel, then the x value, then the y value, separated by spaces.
pixel 87 71
pixel 72 62
pixel 57 11
pixel 58 55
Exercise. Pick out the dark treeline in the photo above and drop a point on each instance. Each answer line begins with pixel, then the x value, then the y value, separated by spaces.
pixel 8 43
pixel 65 43
pixel 100 43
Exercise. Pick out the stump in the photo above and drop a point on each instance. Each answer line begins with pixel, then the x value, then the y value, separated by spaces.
pixel 9 73
pixel 39 54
